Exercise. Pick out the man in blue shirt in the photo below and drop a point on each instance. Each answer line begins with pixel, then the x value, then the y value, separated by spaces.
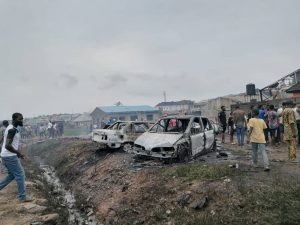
pixel 261 114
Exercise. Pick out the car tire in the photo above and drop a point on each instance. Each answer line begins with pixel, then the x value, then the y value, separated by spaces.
pixel 127 147
pixel 183 153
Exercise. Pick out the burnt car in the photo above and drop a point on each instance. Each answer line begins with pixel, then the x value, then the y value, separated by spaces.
pixel 181 137
pixel 119 134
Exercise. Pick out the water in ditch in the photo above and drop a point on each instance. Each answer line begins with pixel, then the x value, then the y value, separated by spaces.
pixel 66 197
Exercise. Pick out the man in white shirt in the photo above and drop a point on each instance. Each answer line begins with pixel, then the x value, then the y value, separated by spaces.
pixel 297 116
pixel 11 157
pixel 50 129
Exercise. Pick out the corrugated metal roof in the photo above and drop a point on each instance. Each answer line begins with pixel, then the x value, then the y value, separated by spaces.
pixel 294 88
pixel 127 109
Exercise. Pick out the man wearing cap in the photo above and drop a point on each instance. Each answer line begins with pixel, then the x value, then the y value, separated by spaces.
pixel 290 133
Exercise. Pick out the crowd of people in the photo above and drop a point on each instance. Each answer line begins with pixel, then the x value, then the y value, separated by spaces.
pixel 45 130
pixel 51 130
pixel 263 125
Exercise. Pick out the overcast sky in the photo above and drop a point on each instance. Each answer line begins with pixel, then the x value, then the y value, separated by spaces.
pixel 61 56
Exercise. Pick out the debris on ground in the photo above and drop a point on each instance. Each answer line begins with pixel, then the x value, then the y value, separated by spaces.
pixel 200 204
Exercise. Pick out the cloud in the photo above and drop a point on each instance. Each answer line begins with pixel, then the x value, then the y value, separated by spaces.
pixel 134 50
pixel 69 81
pixel 112 81
pixel 25 79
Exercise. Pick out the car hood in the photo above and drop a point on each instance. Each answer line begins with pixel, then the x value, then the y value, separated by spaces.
pixel 151 140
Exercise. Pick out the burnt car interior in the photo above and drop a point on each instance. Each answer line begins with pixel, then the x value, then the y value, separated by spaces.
pixel 206 124
pixel 136 128
pixel 170 125
pixel 196 126
pixel 117 126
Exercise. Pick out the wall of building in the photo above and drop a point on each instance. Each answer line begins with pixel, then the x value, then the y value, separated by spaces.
pixel 140 116
pixel 211 108
pixel 100 118
pixel 176 108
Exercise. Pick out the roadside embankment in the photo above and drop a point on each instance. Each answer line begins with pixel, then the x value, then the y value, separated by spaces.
pixel 118 188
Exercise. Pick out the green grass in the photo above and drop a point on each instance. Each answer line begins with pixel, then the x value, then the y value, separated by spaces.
pixel 200 171
pixel 277 203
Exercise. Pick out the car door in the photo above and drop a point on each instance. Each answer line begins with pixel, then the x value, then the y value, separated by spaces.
pixel 209 133
pixel 138 129
pixel 197 136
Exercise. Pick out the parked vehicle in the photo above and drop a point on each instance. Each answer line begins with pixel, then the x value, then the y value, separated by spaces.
pixel 119 134
pixel 181 137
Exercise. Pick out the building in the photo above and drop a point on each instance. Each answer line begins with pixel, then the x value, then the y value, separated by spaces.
pixel 106 114
pixel 295 90
pixel 210 108
pixel 184 106
pixel 84 120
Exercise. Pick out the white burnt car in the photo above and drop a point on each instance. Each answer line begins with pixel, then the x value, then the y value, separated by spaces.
pixel 120 134
pixel 181 137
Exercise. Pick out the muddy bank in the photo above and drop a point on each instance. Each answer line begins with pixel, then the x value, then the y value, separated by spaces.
pixel 210 190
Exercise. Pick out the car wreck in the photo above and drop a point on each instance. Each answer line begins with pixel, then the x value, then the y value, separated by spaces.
pixel 181 138
pixel 119 134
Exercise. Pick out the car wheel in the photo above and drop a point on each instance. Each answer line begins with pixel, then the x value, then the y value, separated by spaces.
pixel 183 154
pixel 127 147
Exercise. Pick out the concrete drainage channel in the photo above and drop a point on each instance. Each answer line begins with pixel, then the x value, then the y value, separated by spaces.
pixel 66 198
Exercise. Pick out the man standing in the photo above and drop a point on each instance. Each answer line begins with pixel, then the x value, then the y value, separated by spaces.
pixel 280 127
pixel 11 157
pixel 273 124
pixel 223 122
pixel 240 124
pixel 5 124
pixel 261 114
pixel 231 128
pixel 257 139
pixel 50 129
pixel 297 116
pixel 290 130
pixel 250 113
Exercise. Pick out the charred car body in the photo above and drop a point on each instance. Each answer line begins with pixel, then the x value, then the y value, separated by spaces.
pixel 120 134
pixel 181 137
